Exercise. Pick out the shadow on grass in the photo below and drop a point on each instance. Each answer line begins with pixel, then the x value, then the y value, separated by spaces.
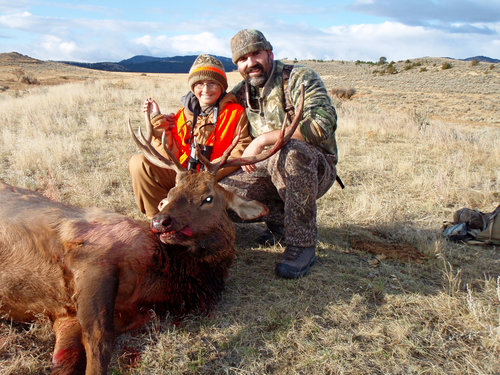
pixel 346 290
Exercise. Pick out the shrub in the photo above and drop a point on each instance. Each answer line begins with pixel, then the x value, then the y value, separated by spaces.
pixel 358 62
pixel 343 93
pixel 29 80
pixel 391 69
pixel 19 73
pixel 409 66
pixel 446 65
pixel 474 62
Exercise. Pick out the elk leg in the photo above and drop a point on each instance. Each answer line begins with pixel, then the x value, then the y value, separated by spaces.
pixel 69 353
pixel 95 296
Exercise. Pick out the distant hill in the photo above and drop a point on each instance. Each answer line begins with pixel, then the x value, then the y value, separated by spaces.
pixel 180 64
pixel 16 58
pixel 150 64
pixel 482 58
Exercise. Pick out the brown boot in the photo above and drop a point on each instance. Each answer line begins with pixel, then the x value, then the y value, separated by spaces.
pixel 295 261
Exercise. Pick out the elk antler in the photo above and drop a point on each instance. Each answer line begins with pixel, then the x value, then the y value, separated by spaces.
pixel 280 142
pixel 148 149
pixel 149 126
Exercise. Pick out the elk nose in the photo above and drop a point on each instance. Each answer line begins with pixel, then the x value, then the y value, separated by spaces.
pixel 160 223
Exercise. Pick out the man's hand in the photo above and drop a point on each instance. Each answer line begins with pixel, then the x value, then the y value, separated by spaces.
pixel 257 146
pixel 261 142
pixel 254 148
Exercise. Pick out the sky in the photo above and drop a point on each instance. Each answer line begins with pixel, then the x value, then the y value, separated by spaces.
pixel 350 30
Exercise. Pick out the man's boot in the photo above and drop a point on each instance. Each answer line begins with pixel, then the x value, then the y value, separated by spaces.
pixel 295 261
pixel 272 235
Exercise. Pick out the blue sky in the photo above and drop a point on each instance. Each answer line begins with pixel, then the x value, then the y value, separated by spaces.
pixel 92 31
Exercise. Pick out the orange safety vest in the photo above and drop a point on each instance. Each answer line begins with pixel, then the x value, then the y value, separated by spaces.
pixel 220 138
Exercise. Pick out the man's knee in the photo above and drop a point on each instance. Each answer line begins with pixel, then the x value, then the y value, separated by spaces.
pixel 294 155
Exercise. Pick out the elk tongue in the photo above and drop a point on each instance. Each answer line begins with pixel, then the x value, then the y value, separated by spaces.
pixel 166 237
pixel 187 231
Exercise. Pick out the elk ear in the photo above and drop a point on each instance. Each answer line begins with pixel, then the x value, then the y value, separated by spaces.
pixel 247 210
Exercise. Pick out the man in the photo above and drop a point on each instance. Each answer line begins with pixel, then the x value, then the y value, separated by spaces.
pixel 291 181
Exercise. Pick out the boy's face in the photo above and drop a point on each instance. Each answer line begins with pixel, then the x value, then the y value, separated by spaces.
pixel 207 92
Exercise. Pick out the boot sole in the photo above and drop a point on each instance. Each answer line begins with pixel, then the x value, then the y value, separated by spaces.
pixel 289 272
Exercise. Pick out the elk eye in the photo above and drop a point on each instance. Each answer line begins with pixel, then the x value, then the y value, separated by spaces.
pixel 208 199
pixel 162 204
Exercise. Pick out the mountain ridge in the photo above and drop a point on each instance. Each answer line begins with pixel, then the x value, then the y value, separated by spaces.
pixel 182 64
pixel 151 64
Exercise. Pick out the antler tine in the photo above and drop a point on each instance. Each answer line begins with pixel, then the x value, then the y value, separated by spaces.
pixel 282 140
pixel 152 155
pixel 149 125
pixel 177 163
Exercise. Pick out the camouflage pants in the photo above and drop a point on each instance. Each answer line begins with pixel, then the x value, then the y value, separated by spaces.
pixel 289 183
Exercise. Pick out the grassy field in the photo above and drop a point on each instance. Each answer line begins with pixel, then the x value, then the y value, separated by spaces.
pixel 387 295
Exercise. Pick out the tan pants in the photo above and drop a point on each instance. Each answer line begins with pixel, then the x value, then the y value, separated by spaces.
pixel 150 183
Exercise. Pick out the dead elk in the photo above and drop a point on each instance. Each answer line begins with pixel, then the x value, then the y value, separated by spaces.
pixel 96 274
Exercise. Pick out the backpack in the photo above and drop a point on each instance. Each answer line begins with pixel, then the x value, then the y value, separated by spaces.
pixel 474 227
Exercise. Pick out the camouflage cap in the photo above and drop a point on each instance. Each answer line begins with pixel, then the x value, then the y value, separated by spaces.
pixel 248 40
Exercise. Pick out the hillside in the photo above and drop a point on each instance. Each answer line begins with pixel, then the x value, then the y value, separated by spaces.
pixel 436 89
pixel 466 92
pixel 20 72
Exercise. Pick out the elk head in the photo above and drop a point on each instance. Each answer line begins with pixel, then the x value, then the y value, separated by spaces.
pixel 196 207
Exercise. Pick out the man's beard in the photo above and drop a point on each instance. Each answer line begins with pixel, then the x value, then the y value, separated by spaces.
pixel 260 80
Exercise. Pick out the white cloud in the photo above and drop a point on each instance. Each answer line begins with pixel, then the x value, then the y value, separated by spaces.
pixel 186 44
pixel 19 21
pixel 58 48
pixel 109 39
pixel 393 40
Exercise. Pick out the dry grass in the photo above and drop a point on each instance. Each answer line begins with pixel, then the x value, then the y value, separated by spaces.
pixel 409 156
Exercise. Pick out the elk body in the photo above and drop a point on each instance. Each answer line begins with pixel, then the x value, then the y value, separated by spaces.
pixel 96 274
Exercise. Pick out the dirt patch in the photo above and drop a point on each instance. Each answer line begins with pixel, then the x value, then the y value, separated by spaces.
pixel 384 250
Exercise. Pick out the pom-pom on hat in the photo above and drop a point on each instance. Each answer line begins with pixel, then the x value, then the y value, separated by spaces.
pixel 207 67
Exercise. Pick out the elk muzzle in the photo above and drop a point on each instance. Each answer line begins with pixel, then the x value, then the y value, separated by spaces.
pixel 167 229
